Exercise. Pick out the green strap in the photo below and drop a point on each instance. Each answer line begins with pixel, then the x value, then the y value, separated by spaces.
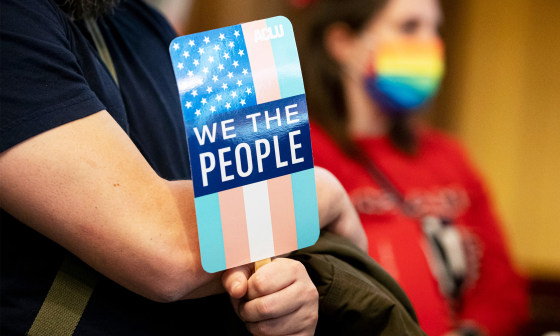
pixel 66 300
pixel 73 284
pixel 99 42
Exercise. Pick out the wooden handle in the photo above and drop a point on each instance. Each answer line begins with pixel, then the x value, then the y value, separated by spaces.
pixel 261 263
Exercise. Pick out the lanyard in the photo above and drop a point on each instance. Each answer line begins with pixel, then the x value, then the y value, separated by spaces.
pixel 101 47
pixel 383 181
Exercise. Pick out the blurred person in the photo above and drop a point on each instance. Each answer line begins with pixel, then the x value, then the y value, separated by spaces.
pixel 369 66
pixel 93 163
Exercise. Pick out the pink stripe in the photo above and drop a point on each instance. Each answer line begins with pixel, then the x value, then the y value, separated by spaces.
pixel 282 214
pixel 234 227
pixel 261 58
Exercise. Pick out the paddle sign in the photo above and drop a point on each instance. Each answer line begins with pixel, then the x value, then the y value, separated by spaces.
pixel 247 127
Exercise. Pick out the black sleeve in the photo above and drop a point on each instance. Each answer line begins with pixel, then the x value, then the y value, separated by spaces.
pixel 41 83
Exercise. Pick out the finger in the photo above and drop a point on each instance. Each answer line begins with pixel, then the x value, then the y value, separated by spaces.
pixel 235 280
pixel 281 303
pixel 236 305
pixel 274 276
pixel 301 322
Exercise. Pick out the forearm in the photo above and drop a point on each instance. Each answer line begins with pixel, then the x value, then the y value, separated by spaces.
pixel 164 249
pixel 85 186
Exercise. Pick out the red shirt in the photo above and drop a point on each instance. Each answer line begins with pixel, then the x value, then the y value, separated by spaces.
pixel 437 180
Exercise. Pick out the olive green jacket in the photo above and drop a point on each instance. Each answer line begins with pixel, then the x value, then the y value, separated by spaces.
pixel 356 296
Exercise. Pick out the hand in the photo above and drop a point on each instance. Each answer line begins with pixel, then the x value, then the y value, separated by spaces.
pixel 336 212
pixel 278 299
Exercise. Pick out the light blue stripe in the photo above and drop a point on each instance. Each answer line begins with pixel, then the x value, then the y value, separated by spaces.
pixel 305 207
pixel 286 57
pixel 210 234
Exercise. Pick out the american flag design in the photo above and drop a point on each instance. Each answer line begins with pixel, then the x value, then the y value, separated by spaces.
pixel 245 114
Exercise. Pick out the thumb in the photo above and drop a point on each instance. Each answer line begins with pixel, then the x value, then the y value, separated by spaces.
pixel 235 279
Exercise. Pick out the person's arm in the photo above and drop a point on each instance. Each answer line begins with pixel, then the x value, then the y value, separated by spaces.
pixel 497 302
pixel 87 187
pixel 336 212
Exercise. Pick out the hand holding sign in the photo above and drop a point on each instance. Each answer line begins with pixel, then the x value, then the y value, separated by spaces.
pixel 274 302
pixel 246 120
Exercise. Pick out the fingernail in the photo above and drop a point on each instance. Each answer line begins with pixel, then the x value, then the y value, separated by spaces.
pixel 235 285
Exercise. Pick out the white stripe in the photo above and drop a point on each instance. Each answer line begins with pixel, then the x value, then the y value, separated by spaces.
pixel 259 223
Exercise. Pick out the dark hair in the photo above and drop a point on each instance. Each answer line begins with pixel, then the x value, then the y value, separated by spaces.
pixel 86 9
pixel 327 105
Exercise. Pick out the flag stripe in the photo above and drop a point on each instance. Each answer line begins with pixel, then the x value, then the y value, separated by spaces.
pixel 305 207
pixel 210 233
pixel 234 227
pixel 244 69
pixel 282 214
pixel 286 58
pixel 265 78
pixel 259 226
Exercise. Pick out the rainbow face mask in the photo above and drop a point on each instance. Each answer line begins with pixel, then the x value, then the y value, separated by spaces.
pixel 405 74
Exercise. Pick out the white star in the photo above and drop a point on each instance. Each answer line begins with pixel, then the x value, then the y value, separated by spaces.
pixel 175 46
pixel 233 94
pixel 248 91
pixel 231 44
pixel 215 78
pixel 241 53
pixel 197 112
pixel 218 97
pixel 180 66
pixel 206 39
pixel 235 64
pixel 194 93
pixel 205 70
pixel 203 101
pixel 236 33
pixel 222 37
pixel 228 106
pixel 186 54
pixel 242 102
pixel 216 47
pixel 190 73
pixel 226 55
pixel 188 104
pixel 195 62
pixel 211 59
pixel 208 89
pixel 221 67
pixel 224 86
pixel 200 51
pixel 230 75
pixel 199 81
pixel 244 71
pixel 239 83
pixel 212 109
pixel 191 43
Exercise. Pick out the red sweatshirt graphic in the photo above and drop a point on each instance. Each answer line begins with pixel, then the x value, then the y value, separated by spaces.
pixel 438 181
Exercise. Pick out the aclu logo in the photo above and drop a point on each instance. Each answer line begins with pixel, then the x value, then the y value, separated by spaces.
pixel 269 33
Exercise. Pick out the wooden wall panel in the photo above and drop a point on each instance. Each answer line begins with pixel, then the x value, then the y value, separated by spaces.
pixel 501 97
